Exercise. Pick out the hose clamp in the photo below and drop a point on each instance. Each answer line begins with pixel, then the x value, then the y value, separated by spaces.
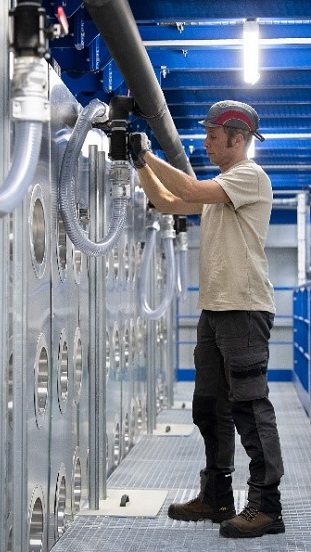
pixel 167 226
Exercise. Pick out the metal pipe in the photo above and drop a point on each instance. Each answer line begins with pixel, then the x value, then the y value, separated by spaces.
pixel 302 237
pixel 284 202
pixel 114 20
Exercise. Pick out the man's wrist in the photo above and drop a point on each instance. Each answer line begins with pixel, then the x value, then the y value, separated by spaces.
pixel 142 154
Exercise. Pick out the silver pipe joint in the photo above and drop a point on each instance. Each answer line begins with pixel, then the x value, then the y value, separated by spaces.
pixel 167 226
pixel 120 176
pixel 152 219
pixel 182 241
pixel 30 90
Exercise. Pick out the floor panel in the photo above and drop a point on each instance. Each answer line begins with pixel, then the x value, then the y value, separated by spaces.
pixel 173 463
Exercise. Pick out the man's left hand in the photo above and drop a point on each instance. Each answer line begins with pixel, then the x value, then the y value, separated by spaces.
pixel 140 144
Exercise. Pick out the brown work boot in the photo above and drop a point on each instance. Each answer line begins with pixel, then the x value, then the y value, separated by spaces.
pixel 252 523
pixel 197 510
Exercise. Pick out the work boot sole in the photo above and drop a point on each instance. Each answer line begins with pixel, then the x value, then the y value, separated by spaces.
pixel 229 530
pixel 214 517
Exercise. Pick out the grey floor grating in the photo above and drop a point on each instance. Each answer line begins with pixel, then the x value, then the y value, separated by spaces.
pixel 173 463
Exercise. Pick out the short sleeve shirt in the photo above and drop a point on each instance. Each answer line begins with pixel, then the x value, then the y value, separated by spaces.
pixel 233 268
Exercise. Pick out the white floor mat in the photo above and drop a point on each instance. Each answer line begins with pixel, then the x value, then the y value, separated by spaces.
pixel 182 405
pixel 141 503
pixel 173 429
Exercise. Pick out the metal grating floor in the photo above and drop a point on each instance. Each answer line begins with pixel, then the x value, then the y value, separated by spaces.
pixel 173 463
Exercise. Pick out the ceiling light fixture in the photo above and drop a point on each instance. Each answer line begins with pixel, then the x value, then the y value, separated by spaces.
pixel 251 50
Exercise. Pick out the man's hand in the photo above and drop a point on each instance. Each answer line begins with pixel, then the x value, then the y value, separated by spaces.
pixel 140 143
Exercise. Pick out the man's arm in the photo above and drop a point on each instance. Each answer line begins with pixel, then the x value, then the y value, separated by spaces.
pixel 163 199
pixel 183 185
pixel 190 192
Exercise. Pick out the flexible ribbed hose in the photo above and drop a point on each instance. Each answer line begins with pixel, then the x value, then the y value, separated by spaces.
pixel 28 135
pixel 67 190
pixel 144 275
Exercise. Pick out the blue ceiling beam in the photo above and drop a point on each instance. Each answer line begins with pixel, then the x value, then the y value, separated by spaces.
pixel 253 96
pixel 195 80
pixel 230 59
pixel 287 158
pixel 202 10
pixel 275 124
pixel 222 31
pixel 279 110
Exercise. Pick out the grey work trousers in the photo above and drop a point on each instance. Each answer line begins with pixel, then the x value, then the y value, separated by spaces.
pixel 231 358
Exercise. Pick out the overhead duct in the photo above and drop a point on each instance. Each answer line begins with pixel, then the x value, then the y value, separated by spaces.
pixel 117 26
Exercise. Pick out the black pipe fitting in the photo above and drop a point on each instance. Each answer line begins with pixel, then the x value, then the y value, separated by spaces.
pixel 119 109
pixel 118 144
pixel 180 223
pixel 29 29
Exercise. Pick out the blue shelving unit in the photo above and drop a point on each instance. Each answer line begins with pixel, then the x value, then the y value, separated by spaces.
pixel 278 373
pixel 301 310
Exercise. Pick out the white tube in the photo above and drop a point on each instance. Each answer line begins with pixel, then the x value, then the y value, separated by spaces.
pixel 67 192
pixel 302 212
pixel 181 274
pixel 26 153
pixel 144 275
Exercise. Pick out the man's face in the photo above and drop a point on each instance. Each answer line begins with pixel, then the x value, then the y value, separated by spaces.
pixel 218 146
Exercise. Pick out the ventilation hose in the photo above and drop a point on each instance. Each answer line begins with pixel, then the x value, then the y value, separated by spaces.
pixel 167 237
pixel 25 158
pixel 120 175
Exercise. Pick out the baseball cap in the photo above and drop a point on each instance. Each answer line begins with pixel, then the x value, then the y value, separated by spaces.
pixel 233 114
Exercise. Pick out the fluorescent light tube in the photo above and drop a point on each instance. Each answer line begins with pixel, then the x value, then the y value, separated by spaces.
pixel 251 48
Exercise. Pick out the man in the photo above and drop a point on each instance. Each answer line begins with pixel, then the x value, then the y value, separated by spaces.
pixel 236 298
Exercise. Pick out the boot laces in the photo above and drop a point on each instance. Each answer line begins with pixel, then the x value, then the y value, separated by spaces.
pixel 249 513
pixel 194 500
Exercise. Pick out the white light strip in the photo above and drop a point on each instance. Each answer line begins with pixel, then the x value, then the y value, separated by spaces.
pixel 251 51
pixel 188 44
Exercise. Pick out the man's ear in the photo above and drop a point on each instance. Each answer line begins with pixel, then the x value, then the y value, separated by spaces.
pixel 238 138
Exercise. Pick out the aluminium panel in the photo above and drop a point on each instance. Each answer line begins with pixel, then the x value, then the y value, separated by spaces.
pixel 65 267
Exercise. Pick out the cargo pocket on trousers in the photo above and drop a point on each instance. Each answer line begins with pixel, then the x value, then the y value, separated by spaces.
pixel 248 376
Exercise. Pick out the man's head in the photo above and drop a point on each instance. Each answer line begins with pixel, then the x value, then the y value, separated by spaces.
pixel 233 115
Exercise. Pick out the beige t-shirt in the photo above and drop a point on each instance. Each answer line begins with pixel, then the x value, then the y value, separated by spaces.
pixel 233 264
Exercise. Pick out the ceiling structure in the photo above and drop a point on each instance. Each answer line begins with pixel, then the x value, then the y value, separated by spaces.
pixel 196 50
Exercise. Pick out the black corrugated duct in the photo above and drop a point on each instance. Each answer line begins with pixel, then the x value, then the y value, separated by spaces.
pixel 117 26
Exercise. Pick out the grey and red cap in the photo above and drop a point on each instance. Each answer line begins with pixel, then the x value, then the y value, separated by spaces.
pixel 233 114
